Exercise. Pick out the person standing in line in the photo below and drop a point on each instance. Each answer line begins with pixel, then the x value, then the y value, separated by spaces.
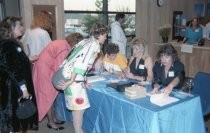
pixel 46 65
pixel 37 37
pixel 117 34
pixel 76 67
pixel 15 78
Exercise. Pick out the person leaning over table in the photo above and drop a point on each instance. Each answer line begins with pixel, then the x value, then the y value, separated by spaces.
pixel 82 58
pixel 140 64
pixel 168 70
pixel 114 62
pixel 46 65
pixel 193 32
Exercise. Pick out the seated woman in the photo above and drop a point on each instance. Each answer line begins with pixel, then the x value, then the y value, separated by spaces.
pixel 114 62
pixel 168 70
pixel 140 65
pixel 193 32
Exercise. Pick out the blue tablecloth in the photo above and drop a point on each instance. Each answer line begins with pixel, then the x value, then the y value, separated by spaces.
pixel 112 112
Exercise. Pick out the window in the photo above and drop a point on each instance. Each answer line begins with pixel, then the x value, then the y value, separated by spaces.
pixel 81 14
pixel 2 10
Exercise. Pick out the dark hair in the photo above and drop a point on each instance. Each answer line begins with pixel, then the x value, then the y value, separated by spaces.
pixel 111 48
pixel 98 29
pixel 119 16
pixel 6 25
pixel 74 38
pixel 167 49
pixel 190 24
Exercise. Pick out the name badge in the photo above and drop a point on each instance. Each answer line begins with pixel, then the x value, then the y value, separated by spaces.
pixel 171 74
pixel 197 30
pixel 141 66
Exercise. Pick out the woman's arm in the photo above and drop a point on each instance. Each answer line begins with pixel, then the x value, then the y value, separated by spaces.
pixel 149 66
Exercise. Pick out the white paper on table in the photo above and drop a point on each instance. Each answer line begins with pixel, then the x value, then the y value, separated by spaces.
pixel 186 48
pixel 161 100
pixel 96 78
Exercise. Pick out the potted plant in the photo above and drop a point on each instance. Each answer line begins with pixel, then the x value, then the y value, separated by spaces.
pixel 164 32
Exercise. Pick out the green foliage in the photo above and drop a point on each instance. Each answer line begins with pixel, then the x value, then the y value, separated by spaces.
pixel 165 30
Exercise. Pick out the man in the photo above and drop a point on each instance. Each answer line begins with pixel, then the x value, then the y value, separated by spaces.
pixel 117 33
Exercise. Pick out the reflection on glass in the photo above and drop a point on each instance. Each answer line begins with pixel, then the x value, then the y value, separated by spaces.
pixel 96 5
pixel 82 22
pixel 119 6
pixel 82 5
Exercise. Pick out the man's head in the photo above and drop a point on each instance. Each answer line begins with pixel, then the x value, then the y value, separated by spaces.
pixel 120 17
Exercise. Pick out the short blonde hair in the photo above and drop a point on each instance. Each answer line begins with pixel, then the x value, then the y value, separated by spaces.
pixel 141 44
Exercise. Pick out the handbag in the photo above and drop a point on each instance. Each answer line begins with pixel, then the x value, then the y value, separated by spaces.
pixel 64 72
pixel 26 108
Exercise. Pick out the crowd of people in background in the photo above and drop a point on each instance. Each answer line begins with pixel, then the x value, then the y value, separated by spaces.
pixel 29 61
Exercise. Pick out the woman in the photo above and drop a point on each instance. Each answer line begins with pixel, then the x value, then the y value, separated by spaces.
pixel 15 77
pixel 140 65
pixel 37 37
pixel 80 59
pixel 193 32
pixel 114 62
pixel 48 62
pixel 168 70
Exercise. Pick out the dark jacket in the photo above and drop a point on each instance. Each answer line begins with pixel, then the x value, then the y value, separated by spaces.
pixel 15 70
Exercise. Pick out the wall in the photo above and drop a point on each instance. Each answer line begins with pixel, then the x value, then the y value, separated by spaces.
pixel 12 8
pixel 149 17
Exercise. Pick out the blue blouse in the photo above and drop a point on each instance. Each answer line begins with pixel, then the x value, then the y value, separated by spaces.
pixel 193 36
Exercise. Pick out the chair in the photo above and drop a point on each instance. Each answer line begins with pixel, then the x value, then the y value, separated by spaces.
pixel 202 88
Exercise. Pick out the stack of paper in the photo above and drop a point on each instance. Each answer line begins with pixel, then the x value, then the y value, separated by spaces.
pixel 96 78
pixel 135 92
pixel 161 100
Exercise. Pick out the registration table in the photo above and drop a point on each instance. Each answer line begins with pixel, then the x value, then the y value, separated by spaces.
pixel 113 112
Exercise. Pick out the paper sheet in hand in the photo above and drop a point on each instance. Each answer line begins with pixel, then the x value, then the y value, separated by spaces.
pixel 187 48
pixel 161 100
pixel 95 78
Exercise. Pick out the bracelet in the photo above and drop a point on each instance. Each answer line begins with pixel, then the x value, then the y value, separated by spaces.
pixel 23 87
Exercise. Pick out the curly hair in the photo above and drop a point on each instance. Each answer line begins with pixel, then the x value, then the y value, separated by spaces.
pixel 98 29
pixel 141 44
pixel 6 26
pixel 74 38
pixel 42 19
pixel 111 48
pixel 169 50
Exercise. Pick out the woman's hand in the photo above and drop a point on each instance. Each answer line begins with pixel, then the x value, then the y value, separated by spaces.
pixel 155 89
pixel 167 90
pixel 34 58
pixel 25 94
pixel 63 85
pixel 88 85
pixel 129 75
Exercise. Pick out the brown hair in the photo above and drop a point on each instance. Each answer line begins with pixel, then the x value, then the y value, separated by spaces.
pixel 6 26
pixel 42 19
pixel 74 38
pixel 141 44
pixel 98 29
pixel 111 48
pixel 169 50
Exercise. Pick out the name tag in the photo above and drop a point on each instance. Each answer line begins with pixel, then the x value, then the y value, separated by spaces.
pixel 197 30
pixel 141 66
pixel 171 74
